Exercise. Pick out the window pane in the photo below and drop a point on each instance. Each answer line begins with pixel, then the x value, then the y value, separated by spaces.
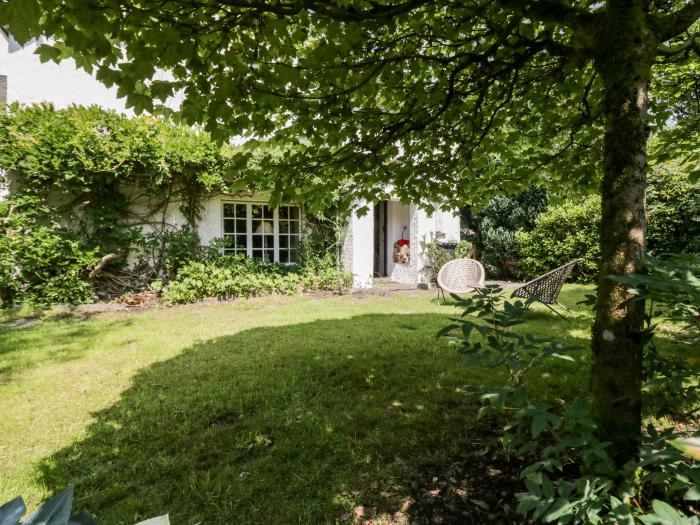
pixel 267 212
pixel 269 256
pixel 256 210
pixel 269 241
pixel 228 209
pixel 257 254
pixel 293 257
pixel 229 226
pixel 283 212
pixel 241 210
pixel 293 241
pixel 284 256
pixel 293 212
pixel 257 226
pixel 241 241
pixel 294 227
pixel 284 242
pixel 241 226
pixel 257 241
pixel 284 226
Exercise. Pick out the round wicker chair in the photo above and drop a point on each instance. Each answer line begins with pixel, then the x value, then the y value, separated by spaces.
pixel 460 276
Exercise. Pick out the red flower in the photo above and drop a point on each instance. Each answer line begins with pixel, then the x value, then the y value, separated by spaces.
pixel 403 242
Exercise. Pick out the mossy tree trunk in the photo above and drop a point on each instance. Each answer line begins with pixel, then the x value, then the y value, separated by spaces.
pixel 624 59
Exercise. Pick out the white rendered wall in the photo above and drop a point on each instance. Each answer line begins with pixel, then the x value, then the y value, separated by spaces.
pixel 358 248
pixel 29 81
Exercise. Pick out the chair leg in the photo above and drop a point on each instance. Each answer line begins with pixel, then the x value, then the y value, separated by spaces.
pixel 564 307
pixel 553 310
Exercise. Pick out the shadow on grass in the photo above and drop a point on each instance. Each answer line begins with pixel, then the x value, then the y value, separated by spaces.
pixel 295 424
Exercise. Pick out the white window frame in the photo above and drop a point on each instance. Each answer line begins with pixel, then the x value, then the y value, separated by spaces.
pixel 249 226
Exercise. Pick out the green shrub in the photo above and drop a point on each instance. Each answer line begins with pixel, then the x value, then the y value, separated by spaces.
pixel 493 228
pixel 464 249
pixel 41 264
pixel 673 211
pixel 228 277
pixel 571 478
pixel 164 252
pixel 570 230
pixel 562 233
pixel 435 257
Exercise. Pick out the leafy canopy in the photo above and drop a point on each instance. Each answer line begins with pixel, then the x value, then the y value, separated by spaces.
pixel 429 96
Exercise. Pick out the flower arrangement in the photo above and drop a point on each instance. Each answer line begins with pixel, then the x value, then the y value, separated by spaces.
pixel 402 251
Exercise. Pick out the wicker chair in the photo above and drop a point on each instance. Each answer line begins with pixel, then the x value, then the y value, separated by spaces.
pixel 546 288
pixel 460 276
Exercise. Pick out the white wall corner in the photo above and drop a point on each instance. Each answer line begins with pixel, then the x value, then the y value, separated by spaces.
pixel 358 247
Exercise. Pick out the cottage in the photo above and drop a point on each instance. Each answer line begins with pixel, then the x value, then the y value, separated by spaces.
pixel 255 229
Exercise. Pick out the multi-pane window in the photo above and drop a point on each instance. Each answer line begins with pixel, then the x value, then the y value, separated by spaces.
pixel 257 230
pixel 289 233
pixel 263 232
pixel 236 228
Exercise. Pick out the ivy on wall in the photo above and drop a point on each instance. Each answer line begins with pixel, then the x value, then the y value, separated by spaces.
pixel 103 174
pixel 83 184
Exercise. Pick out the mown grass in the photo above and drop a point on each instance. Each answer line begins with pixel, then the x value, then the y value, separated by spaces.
pixel 273 410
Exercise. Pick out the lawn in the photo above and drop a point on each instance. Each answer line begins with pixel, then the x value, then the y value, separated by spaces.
pixel 272 410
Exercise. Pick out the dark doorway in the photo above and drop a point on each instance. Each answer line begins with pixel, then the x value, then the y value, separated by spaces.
pixel 380 209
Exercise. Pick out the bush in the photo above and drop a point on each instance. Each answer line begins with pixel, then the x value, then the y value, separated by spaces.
pixel 495 225
pixel 673 212
pixel 163 252
pixel 570 230
pixel 464 250
pixel 228 277
pixel 562 233
pixel 435 257
pixel 41 264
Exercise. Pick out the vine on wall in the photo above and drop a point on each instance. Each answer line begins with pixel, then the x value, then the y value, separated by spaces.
pixel 99 179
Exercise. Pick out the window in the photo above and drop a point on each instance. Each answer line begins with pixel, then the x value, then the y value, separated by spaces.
pixel 289 233
pixel 257 230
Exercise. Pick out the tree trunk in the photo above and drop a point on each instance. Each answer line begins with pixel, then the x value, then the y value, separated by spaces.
pixel 624 62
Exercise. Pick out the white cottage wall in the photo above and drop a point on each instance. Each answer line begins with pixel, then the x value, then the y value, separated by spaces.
pixel 358 246
pixel 29 81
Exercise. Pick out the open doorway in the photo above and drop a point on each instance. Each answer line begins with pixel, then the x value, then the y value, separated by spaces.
pixel 380 239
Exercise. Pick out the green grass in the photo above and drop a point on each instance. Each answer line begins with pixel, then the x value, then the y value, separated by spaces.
pixel 273 410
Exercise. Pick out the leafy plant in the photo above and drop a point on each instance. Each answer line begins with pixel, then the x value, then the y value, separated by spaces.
pixel 500 346
pixel 434 258
pixel 495 225
pixel 464 249
pixel 562 233
pixel 56 511
pixel 40 262
pixel 228 276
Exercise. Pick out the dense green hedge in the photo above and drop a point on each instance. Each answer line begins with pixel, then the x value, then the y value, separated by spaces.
pixel 570 230
pixel 227 277
pixel 673 211
pixel 562 233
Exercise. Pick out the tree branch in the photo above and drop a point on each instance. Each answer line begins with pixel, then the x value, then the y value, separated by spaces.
pixel 677 23
pixel 690 43
pixel 549 11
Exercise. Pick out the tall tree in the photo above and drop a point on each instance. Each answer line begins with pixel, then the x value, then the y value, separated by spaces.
pixel 442 99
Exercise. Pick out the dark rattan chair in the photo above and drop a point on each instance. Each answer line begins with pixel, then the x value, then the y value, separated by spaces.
pixel 546 288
